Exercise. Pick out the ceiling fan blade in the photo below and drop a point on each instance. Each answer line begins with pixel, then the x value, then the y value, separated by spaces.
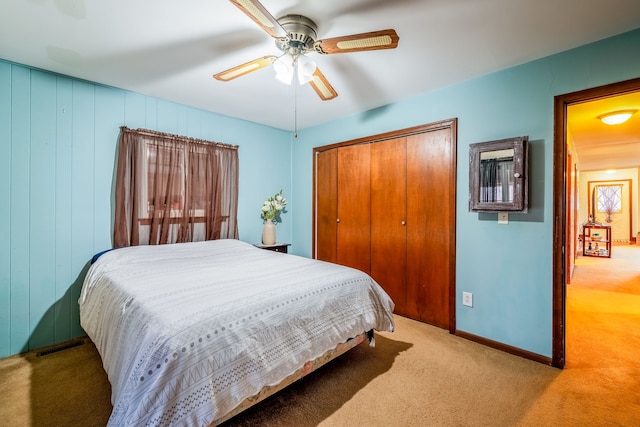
pixel 261 16
pixel 322 87
pixel 245 68
pixel 375 40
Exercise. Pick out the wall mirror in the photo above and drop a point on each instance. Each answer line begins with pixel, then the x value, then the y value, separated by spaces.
pixel 498 175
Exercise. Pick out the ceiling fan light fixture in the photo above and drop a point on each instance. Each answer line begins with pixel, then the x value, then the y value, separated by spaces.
pixel 286 65
pixel 283 67
pixel 306 67
pixel 617 117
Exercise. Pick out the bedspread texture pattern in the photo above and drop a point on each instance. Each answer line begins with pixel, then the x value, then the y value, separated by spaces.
pixel 188 331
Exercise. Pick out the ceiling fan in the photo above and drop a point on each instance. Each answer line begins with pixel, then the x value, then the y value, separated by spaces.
pixel 295 36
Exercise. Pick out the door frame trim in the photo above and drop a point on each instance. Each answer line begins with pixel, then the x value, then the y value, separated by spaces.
pixel 561 102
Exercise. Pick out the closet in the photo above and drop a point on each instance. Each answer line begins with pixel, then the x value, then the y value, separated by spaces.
pixel 386 205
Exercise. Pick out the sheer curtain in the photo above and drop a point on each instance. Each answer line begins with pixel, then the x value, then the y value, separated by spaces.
pixel 173 189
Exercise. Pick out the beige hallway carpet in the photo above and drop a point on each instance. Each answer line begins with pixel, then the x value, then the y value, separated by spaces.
pixel 417 376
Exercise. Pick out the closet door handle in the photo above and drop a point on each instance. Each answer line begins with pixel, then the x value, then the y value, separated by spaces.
pixel 338 220
pixel 404 223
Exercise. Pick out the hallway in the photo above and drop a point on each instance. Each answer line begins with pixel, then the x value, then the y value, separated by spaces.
pixel 603 311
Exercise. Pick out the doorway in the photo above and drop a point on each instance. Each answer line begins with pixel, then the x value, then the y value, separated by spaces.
pixel 564 221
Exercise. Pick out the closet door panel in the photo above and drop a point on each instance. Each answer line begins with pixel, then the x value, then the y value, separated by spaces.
pixel 431 216
pixel 327 205
pixel 354 210
pixel 388 219
pixel 386 206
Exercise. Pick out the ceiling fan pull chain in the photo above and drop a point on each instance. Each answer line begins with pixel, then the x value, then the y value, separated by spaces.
pixel 295 109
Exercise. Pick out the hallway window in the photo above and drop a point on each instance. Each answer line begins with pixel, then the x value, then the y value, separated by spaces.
pixel 609 200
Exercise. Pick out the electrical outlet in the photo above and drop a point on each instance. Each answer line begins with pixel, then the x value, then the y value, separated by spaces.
pixel 503 217
pixel 467 299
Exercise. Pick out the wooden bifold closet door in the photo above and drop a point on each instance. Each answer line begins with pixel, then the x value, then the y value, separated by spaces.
pixel 389 219
pixel 343 222
pixel 387 207
pixel 431 193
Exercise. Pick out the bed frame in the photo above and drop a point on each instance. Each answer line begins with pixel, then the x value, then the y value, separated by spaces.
pixel 308 367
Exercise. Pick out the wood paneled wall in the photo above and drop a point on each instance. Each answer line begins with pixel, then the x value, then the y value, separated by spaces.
pixel 58 138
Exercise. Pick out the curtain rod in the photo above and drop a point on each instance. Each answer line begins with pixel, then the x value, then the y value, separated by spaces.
pixel 154 133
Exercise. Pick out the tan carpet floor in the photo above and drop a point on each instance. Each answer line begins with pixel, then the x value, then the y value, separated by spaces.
pixel 418 375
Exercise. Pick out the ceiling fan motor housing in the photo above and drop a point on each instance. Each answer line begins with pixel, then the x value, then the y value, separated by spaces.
pixel 302 33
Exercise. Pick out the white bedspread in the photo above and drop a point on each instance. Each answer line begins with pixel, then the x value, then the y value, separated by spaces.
pixel 187 331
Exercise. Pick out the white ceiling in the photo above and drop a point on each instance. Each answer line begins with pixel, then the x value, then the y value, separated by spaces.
pixel 169 49
pixel 600 146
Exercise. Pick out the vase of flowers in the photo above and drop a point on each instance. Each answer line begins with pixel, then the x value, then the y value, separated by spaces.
pixel 271 210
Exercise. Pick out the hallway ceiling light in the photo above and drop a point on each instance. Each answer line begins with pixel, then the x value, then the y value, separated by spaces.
pixel 617 117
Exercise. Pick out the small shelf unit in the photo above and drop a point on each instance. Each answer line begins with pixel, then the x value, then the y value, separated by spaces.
pixel 596 241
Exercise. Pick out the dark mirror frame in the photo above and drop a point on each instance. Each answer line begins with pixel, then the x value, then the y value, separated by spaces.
pixel 520 201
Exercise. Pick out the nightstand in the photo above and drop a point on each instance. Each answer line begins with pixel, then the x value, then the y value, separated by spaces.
pixel 278 247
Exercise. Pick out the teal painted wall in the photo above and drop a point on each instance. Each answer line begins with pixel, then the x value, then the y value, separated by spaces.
pixel 58 139
pixel 507 268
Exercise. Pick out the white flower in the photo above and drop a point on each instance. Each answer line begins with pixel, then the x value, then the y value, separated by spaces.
pixel 273 207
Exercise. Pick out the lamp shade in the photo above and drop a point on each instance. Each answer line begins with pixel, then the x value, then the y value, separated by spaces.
pixel 287 65
pixel 284 69
pixel 306 68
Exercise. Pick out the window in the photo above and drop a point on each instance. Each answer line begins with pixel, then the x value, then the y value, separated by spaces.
pixel 173 189
pixel 609 200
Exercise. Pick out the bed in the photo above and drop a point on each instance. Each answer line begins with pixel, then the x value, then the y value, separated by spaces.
pixel 193 333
